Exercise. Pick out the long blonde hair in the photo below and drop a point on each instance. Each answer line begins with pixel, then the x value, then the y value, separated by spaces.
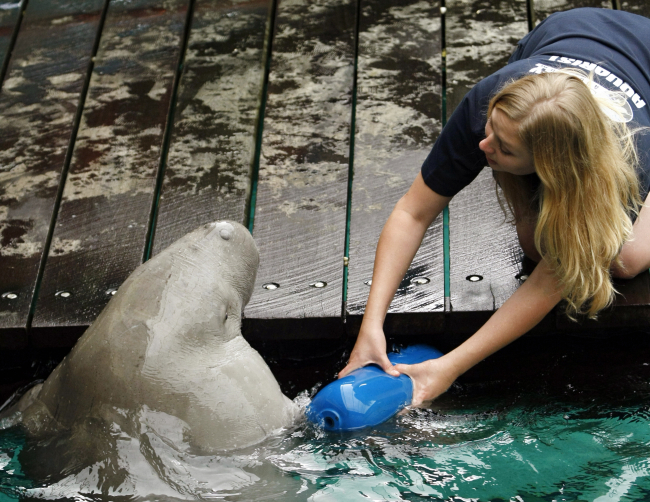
pixel 586 163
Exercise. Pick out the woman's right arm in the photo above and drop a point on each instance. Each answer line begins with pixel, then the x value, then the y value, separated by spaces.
pixel 398 243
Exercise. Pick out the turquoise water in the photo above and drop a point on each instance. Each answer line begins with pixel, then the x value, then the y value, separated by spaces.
pixel 585 438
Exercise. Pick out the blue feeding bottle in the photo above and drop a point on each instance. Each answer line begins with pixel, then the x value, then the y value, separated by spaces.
pixel 368 396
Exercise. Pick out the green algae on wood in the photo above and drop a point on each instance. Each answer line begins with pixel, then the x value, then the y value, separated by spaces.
pixel 38 103
pixel 102 225
pixel 398 118
pixel 211 152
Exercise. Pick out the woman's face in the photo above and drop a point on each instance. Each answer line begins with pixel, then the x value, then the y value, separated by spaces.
pixel 503 148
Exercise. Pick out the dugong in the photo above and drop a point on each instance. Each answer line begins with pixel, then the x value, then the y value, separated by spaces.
pixel 167 353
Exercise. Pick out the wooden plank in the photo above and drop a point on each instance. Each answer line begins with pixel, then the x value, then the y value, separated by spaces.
pixel 212 148
pixel 300 216
pixel 102 226
pixel 9 17
pixel 544 8
pixel 481 36
pixel 398 118
pixel 38 103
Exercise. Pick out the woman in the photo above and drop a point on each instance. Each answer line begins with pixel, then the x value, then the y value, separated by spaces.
pixel 553 126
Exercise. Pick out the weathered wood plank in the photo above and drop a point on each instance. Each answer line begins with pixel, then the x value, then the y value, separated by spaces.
pixel 300 216
pixel 544 8
pixel 485 257
pixel 9 17
pixel 102 225
pixel 38 103
pixel 211 153
pixel 398 117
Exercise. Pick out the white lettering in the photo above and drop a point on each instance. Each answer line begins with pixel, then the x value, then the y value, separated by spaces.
pixel 598 70
pixel 627 89
pixel 614 79
pixel 542 68
pixel 636 99
pixel 601 72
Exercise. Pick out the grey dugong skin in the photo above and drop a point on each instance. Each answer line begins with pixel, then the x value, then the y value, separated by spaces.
pixel 168 349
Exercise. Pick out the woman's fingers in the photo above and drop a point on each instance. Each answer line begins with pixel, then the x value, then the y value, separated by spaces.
pixel 429 381
pixel 358 362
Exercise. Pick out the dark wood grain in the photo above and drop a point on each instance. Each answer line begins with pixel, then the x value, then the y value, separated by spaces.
pixel 544 8
pixel 103 220
pixel 9 17
pixel 300 216
pixel 211 153
pixel 481 35
pixel 398 118
pixel 38 103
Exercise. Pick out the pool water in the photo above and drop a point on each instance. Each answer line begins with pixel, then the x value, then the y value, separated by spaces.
pixel 586 438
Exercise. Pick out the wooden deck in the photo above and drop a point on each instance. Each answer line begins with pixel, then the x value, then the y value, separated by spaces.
pixel 125 125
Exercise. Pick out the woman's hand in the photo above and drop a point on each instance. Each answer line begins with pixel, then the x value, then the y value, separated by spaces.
pixel 430 379
pixel 369 349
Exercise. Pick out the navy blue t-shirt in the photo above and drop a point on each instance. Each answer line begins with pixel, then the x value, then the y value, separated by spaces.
pixel 614 45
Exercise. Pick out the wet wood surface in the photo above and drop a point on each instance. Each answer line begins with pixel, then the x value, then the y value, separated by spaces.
pixel 300 211
pixel 485 256
pixel 211 154
pixel 104 217
pixel 38 103
pixel 9 18
pixel 398 118
pixel 641 7
pixel 544 8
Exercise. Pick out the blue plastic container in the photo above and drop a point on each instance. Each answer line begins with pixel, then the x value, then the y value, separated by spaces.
pixel 368 396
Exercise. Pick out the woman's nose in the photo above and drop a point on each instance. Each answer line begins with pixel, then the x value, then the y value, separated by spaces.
pixel 486 146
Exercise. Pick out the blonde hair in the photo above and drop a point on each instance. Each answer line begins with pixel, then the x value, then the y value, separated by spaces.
pixel 586 163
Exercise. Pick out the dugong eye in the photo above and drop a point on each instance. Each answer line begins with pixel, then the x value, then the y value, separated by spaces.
pixel 226 318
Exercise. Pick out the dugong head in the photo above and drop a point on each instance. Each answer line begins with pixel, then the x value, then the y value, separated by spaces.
pixel 203 280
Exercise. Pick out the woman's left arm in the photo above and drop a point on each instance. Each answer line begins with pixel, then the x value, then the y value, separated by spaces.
pixel 521 312
pixel 635 255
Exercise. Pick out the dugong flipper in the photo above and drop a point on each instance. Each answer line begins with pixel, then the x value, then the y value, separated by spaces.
pixel 167 353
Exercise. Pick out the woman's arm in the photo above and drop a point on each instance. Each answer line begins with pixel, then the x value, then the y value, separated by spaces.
pixel 399 241
pixel 522 311
pixel 635 255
